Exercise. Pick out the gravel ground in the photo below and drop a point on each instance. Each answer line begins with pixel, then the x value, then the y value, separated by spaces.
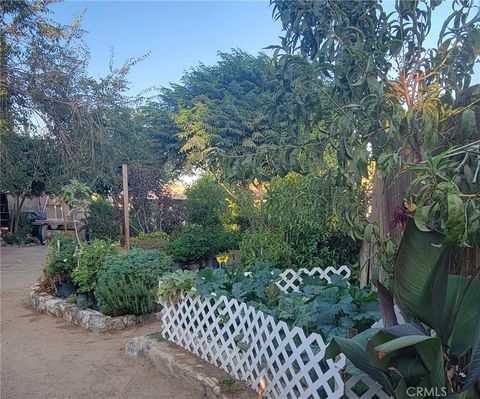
pixel 43 357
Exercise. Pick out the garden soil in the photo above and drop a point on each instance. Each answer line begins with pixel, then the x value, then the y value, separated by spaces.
pixel 43 357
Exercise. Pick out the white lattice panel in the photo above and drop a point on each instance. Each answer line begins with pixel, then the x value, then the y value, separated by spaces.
pixel 363 387
pixel 250 345
pixel 291 279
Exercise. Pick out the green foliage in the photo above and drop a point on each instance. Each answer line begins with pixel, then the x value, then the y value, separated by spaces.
pixel 128 285
pixel 93 259
pixel 61 259
pixel 145 265
pixel 266 245
pixel 206 203
pixel 385 88
pixel 154 240
pixel 297 226
pixel 426 354
pixel 102 220
pixel 318 307
pixel 124 296
pixel 173 285
pixel 224 108
pixel 205 234
pixel 23 234
pixel 197 243
pixel 76 194
pixel 448 201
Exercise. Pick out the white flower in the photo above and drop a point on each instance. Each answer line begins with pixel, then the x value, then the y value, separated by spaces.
pixel 248 274
pixel 214 294
pixel 64 260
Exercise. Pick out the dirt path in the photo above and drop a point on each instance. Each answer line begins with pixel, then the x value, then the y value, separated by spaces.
pixel 45 358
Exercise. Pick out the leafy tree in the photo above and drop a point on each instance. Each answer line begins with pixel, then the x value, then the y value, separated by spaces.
pixel 46 89
pixel 223 106
pixel 386 90
pixel 77 196
pixel 29 168
pixel 206 203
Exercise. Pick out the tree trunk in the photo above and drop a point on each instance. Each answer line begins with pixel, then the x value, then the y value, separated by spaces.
pixel 15 220
pixel 386 196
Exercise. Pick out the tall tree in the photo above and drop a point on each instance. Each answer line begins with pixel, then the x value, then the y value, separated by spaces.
pixel 405 101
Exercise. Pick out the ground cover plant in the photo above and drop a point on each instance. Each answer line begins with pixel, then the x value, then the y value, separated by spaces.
pixel 327 309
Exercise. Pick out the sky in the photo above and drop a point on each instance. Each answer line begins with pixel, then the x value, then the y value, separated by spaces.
pixel 179 34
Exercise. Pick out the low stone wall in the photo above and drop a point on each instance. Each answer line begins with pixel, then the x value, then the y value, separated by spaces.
pixel 174 362
pixel 90 319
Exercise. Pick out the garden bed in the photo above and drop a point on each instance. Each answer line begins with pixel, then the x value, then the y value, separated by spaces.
pixel 254 347
pixel 89 319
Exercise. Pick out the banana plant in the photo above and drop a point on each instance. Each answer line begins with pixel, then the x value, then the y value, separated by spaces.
pixel 436 352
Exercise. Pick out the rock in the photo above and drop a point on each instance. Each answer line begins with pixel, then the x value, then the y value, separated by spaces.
pixel 100 323
pixel 84 318
pixel 70 313
pixel 51 305
pixel 88 318
pixel 41 306
pixel 118 323
pixel 58 313
pixel 131 320
pixel 131 347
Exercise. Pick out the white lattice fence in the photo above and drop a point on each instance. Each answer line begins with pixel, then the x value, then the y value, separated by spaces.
pixel 290 279
pixel 250 345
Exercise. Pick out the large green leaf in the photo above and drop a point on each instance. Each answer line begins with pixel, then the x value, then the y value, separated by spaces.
pixel 473 374
pixel 354 350
pixel 381 362
pixel 401 343
pixel 415 269
pixel 429 350
pixel 462 310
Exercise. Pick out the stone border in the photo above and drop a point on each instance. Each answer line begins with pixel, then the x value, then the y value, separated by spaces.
pixel 90 319
pixel 176 363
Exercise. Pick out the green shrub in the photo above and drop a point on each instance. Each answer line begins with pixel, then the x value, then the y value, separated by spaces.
pixel 206 203
pixel 129 283
pixel 153 240
pixel 197 243
pixel 294 226
pixel 92 261
pixel 265 246
pixel 14 239
pixel 146 265
pixel 23 235
pixel 102 220
pixel 125 296
pixel 172 285
pixel 61 258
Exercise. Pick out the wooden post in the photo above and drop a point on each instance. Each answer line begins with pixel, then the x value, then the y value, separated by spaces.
pixel 126 206
pixel 65 219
